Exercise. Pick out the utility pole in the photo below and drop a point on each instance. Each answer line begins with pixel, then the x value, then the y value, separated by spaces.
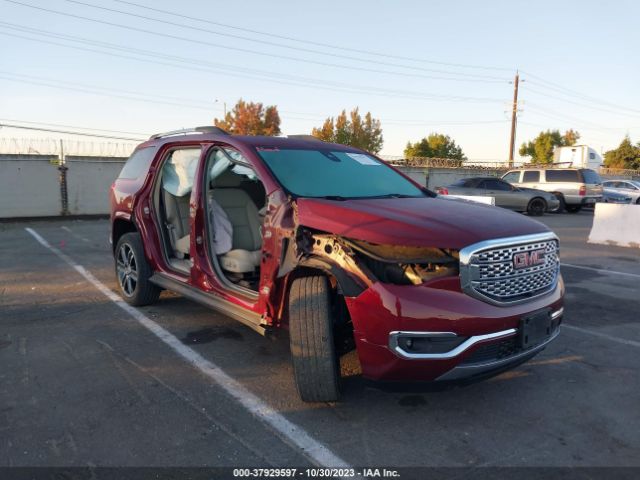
pixel 514 119
pixel 62 168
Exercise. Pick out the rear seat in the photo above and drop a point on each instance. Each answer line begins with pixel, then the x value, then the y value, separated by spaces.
pixel 177 215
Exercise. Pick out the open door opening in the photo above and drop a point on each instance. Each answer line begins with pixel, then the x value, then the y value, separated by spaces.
pixel 173 198
pixel 235 200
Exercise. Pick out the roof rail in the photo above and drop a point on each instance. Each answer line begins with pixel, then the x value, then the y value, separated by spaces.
pixel 304 137
pixel 184 131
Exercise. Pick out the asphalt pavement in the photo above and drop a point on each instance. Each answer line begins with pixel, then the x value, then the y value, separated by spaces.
pixel 84 382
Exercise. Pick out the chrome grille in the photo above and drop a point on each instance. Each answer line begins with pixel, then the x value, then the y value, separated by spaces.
pixel 487 269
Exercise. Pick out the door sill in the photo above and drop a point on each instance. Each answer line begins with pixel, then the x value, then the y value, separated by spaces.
pixel 244 316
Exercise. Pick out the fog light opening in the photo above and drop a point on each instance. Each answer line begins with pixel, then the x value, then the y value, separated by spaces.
pixel 429 344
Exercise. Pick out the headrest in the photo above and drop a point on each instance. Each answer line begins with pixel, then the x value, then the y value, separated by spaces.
pixel 227 179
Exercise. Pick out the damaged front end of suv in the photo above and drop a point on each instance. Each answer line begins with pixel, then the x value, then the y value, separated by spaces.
pixel 410 309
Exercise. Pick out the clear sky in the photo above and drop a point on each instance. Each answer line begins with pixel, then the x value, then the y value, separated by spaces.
pixel 578 60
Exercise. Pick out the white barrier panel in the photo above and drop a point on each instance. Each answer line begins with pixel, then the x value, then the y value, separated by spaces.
pixel 616 224
pixel 485 200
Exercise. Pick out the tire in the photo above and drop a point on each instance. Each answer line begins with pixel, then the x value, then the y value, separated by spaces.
pixel 133 272
pixel 562 205
pixel 638 201
pixel 573 208
pixel 537 206
pixel 315 363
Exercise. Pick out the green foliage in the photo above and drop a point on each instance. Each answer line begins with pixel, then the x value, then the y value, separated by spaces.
pixel 570 137
pixel 436 145
pixel 540 149
pixel 248 118
pixel 626 156
pixel 352 130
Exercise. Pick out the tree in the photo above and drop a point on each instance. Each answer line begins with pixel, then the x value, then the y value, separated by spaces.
pixel 352 130
pixel 570 137
pixel 540 149
pixel 248 118
pixel 436 145
pixel 626 155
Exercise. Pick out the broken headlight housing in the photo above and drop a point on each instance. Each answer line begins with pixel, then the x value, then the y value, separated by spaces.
pixel 406 265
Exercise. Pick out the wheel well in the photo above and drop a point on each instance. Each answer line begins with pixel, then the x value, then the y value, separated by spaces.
pixel 343 328
pixel 285 287
pixel 537 198
pixel 119 228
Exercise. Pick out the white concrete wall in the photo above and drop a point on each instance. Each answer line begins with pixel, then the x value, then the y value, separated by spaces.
pixel 441 177
pixel 29 186
pixel 433 177
pixel 88 183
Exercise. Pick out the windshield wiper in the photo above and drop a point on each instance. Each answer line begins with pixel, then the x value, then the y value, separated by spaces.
pixel 333 197
pixel 395 195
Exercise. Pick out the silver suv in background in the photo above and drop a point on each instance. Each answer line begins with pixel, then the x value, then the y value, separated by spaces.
pixel 574 187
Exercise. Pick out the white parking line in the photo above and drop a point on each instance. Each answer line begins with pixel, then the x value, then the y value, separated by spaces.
pixel 73 234
pixel 601 270
pixel 623 341
pixel 291 433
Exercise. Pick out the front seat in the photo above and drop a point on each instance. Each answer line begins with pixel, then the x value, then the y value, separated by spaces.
pixel 244 217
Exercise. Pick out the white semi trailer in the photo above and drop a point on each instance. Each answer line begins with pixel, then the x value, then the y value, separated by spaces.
pixel 581 156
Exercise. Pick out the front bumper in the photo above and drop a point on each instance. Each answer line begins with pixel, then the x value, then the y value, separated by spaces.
pixel 553 204
pixel 384 314
pixel 587 201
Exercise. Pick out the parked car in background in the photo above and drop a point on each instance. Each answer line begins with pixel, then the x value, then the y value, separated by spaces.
pixel 629 189
pixel 613 197
pixel 534 202
pixel 573 187
pixel 338 248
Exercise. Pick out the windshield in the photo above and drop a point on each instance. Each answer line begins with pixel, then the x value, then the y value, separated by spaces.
pixel 341 175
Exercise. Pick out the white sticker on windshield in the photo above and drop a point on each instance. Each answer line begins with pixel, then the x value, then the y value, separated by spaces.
pixel 363 159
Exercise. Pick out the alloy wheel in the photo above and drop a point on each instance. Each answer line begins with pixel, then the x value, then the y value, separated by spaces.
pixel 127 270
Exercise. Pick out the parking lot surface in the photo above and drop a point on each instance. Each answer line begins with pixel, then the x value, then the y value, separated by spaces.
pixel 83 382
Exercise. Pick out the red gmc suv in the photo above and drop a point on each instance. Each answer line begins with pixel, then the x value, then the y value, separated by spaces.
pixel 339 248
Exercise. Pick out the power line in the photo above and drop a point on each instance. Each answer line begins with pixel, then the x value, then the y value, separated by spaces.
pixel 582 104
pixel 131 95
pixel 22 127
pixel 13 120
pixel 197 63
pixel 128 49
pixel 548 112
pixel 299 81
pixel 227 47
pixel 573 93
pixel 281 45
pixel 309 42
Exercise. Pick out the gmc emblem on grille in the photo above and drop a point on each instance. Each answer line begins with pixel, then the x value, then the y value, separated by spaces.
pixel 528 259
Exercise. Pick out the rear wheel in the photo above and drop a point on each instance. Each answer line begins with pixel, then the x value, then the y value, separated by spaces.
pixel 573 208
pixel 133 272
pixel 537 206
pixel 313 352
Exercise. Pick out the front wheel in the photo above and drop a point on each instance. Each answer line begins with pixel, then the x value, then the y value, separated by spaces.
pixel 315 362
pixel 537 206
pixel 133 272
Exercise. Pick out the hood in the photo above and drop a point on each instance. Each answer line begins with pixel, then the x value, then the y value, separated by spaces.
pixel 432 222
